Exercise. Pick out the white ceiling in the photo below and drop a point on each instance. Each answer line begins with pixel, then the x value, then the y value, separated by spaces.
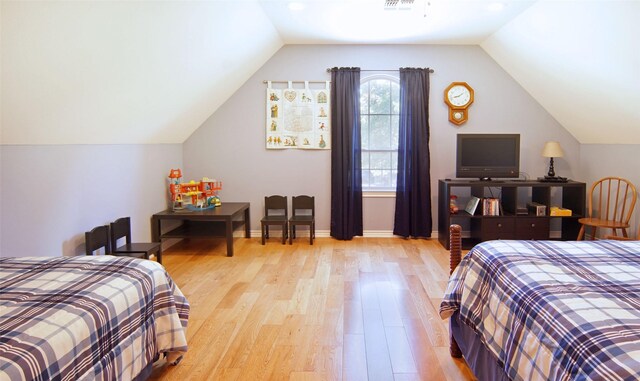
pixel 139 72
pixel 578 58
pixel 370 22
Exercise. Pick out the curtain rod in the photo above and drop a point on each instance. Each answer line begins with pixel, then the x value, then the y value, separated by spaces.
pixel 430 70
pixel 265 81
pixel 329 71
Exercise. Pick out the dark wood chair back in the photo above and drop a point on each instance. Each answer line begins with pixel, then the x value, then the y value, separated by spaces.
pixel 96 239
pixel 303 211
pixel 276 205
pixel 303 205
pixel 120 228
pixel 276 212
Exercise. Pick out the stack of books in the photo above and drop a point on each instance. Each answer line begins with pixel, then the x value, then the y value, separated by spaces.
pixel 490 207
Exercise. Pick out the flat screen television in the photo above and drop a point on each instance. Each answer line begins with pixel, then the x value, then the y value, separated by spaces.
pixel 487 156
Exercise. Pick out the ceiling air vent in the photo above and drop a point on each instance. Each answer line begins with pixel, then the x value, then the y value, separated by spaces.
pixel 398 4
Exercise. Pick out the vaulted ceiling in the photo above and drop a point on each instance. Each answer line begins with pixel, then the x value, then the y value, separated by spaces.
pixel 146 72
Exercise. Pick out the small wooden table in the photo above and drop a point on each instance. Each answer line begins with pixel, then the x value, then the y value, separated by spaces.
pixel 217 222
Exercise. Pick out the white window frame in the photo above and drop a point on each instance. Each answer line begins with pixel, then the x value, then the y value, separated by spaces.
pixel 376 192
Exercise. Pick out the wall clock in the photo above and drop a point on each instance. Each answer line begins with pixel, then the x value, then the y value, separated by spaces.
pixel 458 96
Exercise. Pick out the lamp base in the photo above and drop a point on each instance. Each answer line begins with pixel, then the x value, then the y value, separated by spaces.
pixel 552 172
pixel 553 179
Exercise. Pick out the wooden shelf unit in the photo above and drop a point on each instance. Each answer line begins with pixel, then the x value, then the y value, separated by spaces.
pixel 512 194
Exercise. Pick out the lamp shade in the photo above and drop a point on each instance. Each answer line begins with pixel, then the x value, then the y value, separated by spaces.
pixel 552 149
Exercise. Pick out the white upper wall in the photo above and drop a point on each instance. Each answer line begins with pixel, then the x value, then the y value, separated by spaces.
pixel 581 62
pixel 109 72
pixel 140 72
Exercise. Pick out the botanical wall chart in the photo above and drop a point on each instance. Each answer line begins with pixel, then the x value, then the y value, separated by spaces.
pixel 298 118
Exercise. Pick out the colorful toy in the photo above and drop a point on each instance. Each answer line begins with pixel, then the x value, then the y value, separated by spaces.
pixel 453 205
pixel 193 195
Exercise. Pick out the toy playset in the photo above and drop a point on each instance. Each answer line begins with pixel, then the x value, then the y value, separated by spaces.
pixel 193 195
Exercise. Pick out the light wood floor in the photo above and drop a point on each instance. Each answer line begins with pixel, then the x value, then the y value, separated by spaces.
pixel 365 309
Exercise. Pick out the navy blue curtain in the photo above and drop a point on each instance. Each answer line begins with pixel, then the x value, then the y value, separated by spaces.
pixel 413 189
pixel 346 171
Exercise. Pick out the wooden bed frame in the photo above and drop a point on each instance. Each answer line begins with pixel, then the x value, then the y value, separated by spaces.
pixel 455 250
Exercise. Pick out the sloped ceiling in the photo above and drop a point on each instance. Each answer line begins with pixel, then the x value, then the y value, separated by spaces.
pixel 140 72
pixel 581 61
pixel 110 72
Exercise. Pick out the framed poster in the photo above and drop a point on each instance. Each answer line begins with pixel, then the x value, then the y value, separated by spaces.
pixel 298 118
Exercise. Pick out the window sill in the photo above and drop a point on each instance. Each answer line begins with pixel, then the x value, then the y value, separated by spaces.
pixel 378 194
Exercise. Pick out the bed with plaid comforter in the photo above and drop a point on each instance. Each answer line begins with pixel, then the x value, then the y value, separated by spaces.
pixel 550 310
pixel 87 318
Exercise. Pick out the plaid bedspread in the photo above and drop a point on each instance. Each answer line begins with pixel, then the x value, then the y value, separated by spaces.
pixel 553 310
pixel 87 318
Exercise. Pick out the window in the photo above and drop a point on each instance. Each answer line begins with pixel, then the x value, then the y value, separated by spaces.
pixel 379 113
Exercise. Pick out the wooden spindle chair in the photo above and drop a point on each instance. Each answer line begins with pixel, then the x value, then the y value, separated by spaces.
pixel 611 204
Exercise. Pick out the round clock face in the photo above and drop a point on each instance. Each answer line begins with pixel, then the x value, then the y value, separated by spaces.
pixel 458 95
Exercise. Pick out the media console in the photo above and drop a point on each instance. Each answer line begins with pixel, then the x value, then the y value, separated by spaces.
pixel 513 194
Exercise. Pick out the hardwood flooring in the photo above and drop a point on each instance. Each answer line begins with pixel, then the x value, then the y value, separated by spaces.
pixel 365 309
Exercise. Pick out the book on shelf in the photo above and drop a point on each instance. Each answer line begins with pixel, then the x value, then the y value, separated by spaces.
pixel 472 205
pixel 491 207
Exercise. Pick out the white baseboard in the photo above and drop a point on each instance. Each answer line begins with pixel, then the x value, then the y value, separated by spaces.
pixel 554 234
pixel 278 233
pixel 324 233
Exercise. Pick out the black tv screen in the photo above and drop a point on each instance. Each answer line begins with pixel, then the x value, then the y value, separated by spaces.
pixel 487 156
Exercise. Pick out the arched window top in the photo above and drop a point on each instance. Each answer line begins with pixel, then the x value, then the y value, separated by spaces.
pixel 387 76
pixel 379 110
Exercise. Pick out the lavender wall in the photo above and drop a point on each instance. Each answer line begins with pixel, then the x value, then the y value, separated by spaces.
pixel 230 145
pixel 52 194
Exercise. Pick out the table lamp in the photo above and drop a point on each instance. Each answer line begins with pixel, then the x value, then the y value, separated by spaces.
pixel 551 150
